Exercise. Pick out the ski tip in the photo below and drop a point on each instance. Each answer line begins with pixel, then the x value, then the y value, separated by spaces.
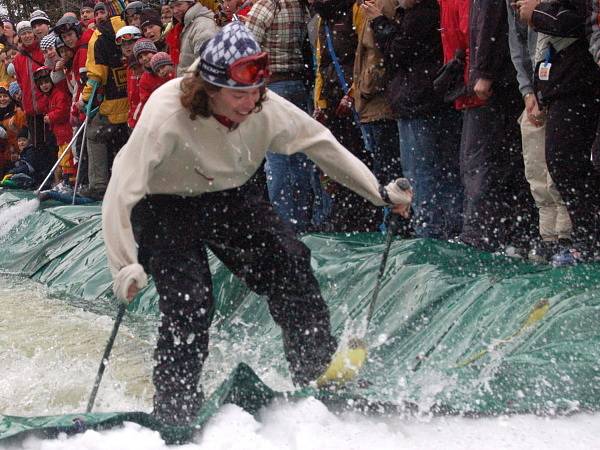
pixel 344 366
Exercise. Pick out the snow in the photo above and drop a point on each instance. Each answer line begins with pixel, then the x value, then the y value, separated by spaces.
pixel 308 425
pixel 12 215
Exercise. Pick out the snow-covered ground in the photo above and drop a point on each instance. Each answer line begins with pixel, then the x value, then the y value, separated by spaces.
pixel 308 425
pixel 49 353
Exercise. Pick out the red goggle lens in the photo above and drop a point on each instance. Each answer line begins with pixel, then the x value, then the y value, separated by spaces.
pixel 250 70
pixel 125 37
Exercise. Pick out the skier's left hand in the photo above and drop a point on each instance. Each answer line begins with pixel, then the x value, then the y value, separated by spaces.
pixel 399 193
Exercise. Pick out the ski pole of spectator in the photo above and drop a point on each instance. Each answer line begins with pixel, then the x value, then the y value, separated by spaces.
pixel 67 148
pixel 81 153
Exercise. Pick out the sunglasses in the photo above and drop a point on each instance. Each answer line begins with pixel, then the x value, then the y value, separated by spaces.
pixel 250 70
pixel 126 37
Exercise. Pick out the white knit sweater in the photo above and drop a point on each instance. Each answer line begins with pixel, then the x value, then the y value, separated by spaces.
pixel 168 153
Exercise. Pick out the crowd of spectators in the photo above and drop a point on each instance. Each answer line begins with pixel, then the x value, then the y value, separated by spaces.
pixel 490 109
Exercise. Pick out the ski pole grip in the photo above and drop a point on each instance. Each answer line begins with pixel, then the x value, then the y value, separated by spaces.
pixel 403 184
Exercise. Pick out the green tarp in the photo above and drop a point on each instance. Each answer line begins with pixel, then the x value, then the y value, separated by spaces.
pixel 454 331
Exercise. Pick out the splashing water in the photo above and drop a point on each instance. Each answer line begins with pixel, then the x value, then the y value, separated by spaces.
pixel 11 216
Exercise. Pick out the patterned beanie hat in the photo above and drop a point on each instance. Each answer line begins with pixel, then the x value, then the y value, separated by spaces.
pixel 231 43
pixel 24 26
pixel 13 89
pixel 48 41
pixel 143 45
pixel 159 60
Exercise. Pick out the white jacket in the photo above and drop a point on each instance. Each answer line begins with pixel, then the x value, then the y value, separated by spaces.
pixel 198 26
pixel 168 153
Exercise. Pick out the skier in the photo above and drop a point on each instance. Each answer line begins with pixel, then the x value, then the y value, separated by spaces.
pixel 183 183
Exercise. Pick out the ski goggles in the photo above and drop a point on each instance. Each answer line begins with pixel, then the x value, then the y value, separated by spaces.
pixel 127 37
pixel 250 70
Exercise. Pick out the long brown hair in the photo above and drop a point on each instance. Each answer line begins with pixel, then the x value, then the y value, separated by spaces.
pixel 195 96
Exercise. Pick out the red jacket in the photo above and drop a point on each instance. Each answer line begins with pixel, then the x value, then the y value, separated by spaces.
pixel 79 72
pixel 26 62
pixel 80 57
pixel 133 95
pixel 173 40
pixel 454 23
pixel 148 84
pixel 59 113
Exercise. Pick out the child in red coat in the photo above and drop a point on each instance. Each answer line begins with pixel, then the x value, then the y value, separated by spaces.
pixel 155 74
pixel 161 70
pixel 57 115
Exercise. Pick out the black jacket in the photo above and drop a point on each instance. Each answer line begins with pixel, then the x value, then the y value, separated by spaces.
pixel 573 71
pixel 490 52
pixel 412 47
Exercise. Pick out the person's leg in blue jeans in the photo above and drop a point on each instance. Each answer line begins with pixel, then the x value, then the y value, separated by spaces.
pixel 290 179
pixel 429 150
pixel 382 141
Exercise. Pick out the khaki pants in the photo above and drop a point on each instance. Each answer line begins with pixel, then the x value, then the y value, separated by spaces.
pixel 555 222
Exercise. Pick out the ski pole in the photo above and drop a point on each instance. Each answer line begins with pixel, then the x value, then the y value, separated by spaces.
pixel 391 231
pixel 83 141
pixel 59 160
pixel 346 364
pixel 104 360
pixel 83 147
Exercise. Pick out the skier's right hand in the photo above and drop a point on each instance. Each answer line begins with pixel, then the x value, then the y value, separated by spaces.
pixel 128 282
pixel 132 291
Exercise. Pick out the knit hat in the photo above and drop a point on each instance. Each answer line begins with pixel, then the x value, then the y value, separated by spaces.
pixel 39 16
pixel 87 4
pixel 48 41
pixel 14 89
pixel 4 88
pixel 99 6
pixel 23 133
pixel 150 16
pixel 159 60
pixel 143 45
pixel 231 43
pixel 24 26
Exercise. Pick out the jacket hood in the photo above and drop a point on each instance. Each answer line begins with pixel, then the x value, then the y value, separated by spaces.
pixel 110 27
pixel 198 10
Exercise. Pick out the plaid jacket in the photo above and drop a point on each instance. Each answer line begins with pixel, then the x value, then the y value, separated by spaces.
pixel 279 26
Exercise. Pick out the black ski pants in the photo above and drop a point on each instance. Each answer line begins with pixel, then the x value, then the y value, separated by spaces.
pixel 498 208
pixel 570 133
pixel 245 233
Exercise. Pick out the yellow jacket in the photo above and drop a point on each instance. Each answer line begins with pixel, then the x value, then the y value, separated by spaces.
pixel 106 69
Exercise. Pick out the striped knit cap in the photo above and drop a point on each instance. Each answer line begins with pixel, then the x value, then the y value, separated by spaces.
pixel 143 45
pixel 231 43
pixel 159 60
pixel 24 26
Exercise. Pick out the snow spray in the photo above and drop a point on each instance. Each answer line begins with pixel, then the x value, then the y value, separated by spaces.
pixel 11 216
